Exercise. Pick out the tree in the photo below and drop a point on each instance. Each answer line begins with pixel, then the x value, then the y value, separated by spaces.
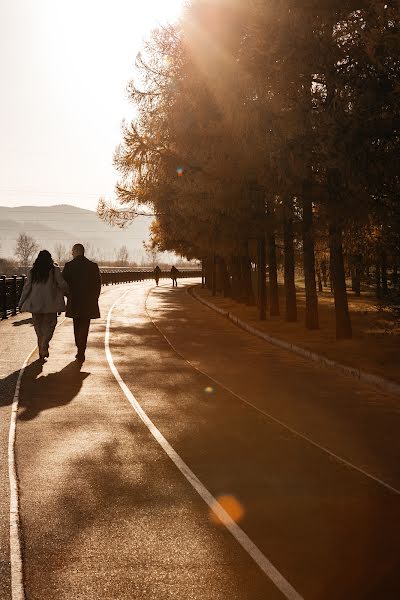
pixel 90 251
pixel 26 247
pixel 60 253
pixel 122 256
pixel 296 101
pixel 152 253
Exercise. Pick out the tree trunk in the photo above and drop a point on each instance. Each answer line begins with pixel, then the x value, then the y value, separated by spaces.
pixel 289 263
pixel 342 316
pixel 353 279
pixel 319 280
pixel 208 272
pixel 324 272
pixel 226 284
pixel 384 276
pixel 378 289
pixel 214 275
pixel 395 274
pixel 356 274
pixel 242 286
pixel 248 296
pixel 312 321
pixel 235 278
pixel 273 276
pixel 367 273
pixel 262 279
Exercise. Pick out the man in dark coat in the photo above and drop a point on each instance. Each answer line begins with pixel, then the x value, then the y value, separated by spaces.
pixel 157 274
pixel 174 276
pixel 84 282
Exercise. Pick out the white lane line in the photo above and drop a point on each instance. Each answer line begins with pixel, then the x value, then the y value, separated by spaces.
pixel 336 457
pixel 17 578
pixel 247 544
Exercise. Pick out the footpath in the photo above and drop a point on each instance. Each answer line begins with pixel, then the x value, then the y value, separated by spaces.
pixel 305 462
pixel 372 356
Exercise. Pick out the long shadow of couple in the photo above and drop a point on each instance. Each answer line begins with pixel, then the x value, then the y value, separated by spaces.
pixel 49 391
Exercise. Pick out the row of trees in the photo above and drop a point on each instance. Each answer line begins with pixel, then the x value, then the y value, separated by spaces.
pixel 271 127
pixel 27 247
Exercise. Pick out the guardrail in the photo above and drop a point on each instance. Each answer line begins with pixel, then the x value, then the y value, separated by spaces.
pixel 10 292
pixel 11 287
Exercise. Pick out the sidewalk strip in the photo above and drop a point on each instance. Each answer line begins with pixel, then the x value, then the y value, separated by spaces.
pixel 336 457
pixel 380 383
pixel 247 544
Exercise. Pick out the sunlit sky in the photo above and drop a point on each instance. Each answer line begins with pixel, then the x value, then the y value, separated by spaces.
pixel 64 67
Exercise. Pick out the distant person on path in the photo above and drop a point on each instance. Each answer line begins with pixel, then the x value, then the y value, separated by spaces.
pixel 174 276
pixel 157 273
pixel 84 282
pixel 43 296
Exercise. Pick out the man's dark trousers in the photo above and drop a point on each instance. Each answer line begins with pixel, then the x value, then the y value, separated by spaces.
pixel 81 330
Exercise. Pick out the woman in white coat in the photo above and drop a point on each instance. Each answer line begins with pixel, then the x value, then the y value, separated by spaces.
pixel 43 296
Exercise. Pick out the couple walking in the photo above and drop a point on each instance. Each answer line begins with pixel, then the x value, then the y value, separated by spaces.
pixel 44 291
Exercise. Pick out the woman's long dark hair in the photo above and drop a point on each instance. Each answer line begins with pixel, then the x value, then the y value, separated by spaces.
pixel 42 267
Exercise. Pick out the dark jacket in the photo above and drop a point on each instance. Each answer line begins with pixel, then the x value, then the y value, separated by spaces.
pixel 84 282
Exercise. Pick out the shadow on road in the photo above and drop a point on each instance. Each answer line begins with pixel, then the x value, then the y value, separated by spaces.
pixel 116 494
pixel 27 321
pixel 7 384
pixel 49 391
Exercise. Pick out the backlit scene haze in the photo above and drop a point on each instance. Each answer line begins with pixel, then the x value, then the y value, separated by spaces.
pixel 64 70
pixel 199 300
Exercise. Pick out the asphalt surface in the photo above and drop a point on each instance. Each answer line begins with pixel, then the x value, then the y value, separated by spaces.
pixel 106 514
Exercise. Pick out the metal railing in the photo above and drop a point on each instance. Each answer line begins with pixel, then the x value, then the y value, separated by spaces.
pixel 111 277
pixel 10 293
pixel 11 287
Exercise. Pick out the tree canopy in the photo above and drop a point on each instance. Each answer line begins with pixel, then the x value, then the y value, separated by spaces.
pixel 273 121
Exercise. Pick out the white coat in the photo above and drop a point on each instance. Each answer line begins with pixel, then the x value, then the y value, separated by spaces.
pixel 47 297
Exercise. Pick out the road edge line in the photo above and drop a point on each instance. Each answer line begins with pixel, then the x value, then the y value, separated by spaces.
pixel 17 578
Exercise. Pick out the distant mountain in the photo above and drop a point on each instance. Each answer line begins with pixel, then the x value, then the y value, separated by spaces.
pixel 67 224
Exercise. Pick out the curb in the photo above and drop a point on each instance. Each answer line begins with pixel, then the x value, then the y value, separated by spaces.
pixel 378 382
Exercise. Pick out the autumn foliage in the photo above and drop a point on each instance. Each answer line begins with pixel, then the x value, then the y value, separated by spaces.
pixel 271 127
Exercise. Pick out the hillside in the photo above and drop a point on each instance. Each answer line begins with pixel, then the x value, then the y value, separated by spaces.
pixel 67 224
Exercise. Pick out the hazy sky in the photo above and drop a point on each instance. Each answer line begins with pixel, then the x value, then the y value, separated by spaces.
pixel 64 67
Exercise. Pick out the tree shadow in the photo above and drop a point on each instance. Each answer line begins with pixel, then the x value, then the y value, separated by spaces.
pixel 50 391
pixel 116 485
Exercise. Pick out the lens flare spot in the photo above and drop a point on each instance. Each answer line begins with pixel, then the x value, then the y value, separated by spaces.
pixel 179 171
pixel 209 389
pixel 231 506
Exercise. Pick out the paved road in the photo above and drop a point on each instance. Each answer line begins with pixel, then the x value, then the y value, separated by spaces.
pixel 106 514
